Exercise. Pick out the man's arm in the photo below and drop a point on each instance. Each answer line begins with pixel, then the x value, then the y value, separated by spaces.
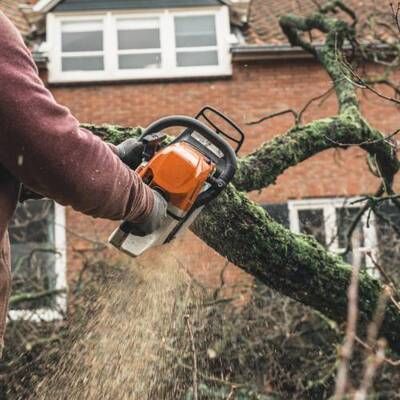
pixel 42 144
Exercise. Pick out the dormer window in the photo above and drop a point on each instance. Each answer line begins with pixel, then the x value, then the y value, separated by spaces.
pixel 138 45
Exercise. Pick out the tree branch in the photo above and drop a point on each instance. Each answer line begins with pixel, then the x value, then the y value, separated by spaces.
pixel 261 168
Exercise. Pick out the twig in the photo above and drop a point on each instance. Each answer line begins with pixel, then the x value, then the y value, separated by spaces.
pixel 297 115
pixel 195 384
pixel 347 349
pixel 395 14
pixel 359 82
pixel 385 139
pixel 273 115
pixel 20 298
pixel 396 303
pixel 357 219
pixel 385 275
pixel 322 96
pixel 373 363
pixel 389 361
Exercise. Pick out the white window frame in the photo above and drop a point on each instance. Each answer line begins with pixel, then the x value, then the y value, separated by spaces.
pixel 119 52
pixel 76 54
pixel 329 207
pixel 60 243
pixel 110 48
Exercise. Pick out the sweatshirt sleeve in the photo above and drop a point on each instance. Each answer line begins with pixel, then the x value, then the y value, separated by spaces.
pixel 42 144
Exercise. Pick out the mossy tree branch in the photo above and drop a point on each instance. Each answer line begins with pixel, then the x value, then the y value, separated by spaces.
pixel 261 168
pixel 336 31
pixel 295 265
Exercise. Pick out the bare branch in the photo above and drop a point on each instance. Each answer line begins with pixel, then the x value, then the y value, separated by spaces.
pixel 346 350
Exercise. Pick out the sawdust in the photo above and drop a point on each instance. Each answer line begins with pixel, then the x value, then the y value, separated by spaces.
pixel 129 349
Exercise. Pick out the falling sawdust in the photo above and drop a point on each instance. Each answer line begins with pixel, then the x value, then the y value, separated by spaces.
pixel 129 349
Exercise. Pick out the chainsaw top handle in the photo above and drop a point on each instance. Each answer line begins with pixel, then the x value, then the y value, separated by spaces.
pixel 226 165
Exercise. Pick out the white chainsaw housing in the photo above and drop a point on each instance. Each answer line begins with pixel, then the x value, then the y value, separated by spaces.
pixel 136 245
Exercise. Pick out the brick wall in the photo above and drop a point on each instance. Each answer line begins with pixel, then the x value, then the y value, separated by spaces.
pixel 255 89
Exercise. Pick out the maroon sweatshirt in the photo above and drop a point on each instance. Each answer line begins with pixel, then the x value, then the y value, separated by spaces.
pixel 42 146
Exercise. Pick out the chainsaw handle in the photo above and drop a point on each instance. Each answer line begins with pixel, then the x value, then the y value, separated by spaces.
pixel 191 123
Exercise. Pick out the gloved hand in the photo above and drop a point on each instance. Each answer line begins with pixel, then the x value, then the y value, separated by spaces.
pixel 130 152
pixel 154 220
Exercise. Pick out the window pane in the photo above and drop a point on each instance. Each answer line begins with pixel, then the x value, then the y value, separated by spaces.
pixel 139 39
pixel 31 223
pixel 33 251
pixel 344 219
pixel 138 34
pixel 140 61
pixel 195 31
pixel 193 59
pixel 82 41
pixel 95 63
pixel 311 222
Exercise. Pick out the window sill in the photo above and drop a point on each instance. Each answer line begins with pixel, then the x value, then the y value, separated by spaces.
pixel 39 315
pixel 57 79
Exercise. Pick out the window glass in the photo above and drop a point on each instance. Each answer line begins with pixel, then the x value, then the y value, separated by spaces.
pixel 140 61
pixel 138 34
pixel 195 31
pixel 82 63
pixel 387 218
pixel 344 219
pixel 82 46
pixel 33 252
pixel 311 222
pixel 193 59
pixel 136 40
pixel 82 36
pixel 82 41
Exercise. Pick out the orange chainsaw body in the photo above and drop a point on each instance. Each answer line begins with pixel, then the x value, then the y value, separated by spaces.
pixel 180 172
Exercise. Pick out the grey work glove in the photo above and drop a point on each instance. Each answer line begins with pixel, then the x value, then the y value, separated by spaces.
pixel 154 220
pixel 130 152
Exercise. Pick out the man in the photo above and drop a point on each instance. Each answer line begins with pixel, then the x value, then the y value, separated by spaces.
pixel 42 146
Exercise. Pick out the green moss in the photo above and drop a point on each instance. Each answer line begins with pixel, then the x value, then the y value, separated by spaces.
pixel 114 134
pixel 296 265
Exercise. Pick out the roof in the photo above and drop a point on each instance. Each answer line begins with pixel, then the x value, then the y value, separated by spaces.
pixel 81 5
pixel 263 21
pixel 12 9
pixel 262 34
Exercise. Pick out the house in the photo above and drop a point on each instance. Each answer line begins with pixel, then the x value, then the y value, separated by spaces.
pixel 131 62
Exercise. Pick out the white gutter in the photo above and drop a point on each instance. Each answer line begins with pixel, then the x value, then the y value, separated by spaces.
pixel 42 6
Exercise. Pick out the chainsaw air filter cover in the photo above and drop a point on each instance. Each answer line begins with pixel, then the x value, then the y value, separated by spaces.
pixel 179 172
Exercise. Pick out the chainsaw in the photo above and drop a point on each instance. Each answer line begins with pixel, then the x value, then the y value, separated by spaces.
pixel 189 172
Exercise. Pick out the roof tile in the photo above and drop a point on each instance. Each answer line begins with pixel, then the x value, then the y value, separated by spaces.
pixel 263 26
pixel 12 9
